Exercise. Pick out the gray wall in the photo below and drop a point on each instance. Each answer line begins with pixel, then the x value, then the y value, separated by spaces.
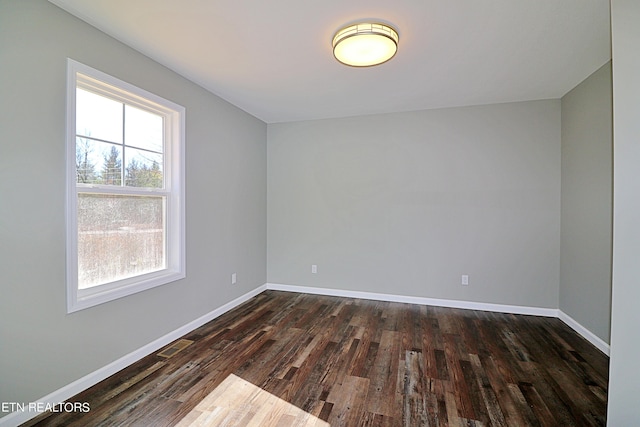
pixel 587 172
pixel 624 379
pixel 406 203
pixel 41 347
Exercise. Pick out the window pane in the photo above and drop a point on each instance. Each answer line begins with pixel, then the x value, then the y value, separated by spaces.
pixel 98 162
pixel 144 168
pixel 98 117
pixel 143 129
pixel 119 237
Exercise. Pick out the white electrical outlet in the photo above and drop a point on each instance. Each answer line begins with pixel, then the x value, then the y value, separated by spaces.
pixel 233 278
pixel 465 280
pixel 314 269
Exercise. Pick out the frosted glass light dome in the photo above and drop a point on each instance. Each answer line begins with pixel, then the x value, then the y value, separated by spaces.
pixel 365 44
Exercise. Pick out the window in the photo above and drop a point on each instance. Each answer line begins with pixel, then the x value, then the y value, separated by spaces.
pixel 125 195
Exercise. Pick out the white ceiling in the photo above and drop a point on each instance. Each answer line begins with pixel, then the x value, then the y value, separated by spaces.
pixel 273 58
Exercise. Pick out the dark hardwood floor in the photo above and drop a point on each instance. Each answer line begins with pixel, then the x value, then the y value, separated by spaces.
pixel 287 359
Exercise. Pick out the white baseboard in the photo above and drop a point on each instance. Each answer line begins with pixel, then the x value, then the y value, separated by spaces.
pixel 500 308
pixel 16 418
pixel 586 334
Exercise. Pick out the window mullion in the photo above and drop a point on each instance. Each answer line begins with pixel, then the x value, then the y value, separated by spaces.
pixel 117 190
pixel 124 163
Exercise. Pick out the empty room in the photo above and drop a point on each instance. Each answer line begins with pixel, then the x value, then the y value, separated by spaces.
pixel 212 214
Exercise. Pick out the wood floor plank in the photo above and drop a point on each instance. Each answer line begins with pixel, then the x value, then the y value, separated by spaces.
pixel 348 401
pixel 510 406
pixel 463 398
pixel 288 359
pixel 415 410
pixel 491 404
pixel 383 375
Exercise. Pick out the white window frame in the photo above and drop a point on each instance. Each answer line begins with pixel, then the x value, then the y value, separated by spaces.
pixel 174 187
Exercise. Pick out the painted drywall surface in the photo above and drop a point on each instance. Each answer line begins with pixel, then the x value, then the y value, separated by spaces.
pixel 407 203
pixel 42 348
pixel 586 223
pixel 624 375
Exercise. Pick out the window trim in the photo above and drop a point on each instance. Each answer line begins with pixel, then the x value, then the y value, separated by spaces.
pixel 80 75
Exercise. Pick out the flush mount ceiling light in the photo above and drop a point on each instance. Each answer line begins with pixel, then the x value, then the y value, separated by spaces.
pixel 365 44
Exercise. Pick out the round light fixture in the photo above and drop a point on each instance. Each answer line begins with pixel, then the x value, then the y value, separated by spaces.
pixel 365 44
